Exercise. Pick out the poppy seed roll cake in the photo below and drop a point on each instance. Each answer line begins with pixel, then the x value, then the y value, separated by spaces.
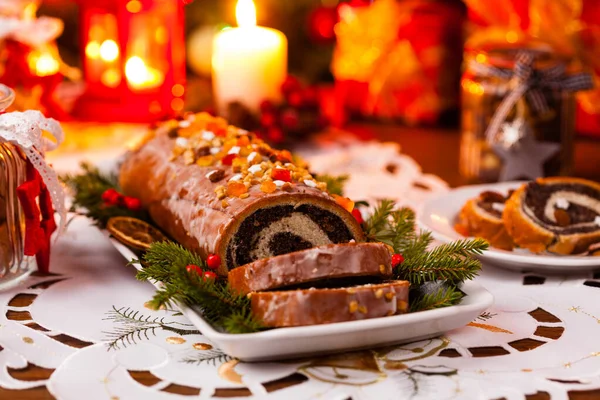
pixel 559 215
pixel 218 189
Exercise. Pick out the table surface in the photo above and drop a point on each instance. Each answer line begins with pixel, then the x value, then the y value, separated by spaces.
pixel 436 150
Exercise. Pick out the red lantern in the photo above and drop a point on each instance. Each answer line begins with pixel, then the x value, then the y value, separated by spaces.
pixel 133 59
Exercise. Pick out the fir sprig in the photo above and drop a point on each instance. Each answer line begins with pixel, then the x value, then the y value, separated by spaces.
pixel 451 262
pixel 335 184
pixel 442 297
pixel 166 262
pixel 88 188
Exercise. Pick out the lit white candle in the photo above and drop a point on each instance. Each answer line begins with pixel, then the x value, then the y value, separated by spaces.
pixel 249 62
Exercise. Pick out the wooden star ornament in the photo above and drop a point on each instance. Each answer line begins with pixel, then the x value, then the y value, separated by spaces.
pixel 524 159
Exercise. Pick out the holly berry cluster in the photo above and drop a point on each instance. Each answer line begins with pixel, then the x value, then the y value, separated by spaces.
pixel 111 197
pixel 213 261
pixel 299 114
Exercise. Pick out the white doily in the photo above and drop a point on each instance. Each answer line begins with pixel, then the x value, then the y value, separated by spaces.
pixel 25 130
pixel 543 329
pixel 540 336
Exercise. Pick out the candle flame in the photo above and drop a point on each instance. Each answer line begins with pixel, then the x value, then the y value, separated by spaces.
pixel 245 13
pixel 109 50
pixel 42 63
pixel 140 76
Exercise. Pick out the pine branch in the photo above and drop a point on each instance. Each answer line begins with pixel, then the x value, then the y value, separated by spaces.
pixel 452 262
pixel 377 226
pixel 335 184
pixel 166 262
pixel 444 296
pixel 88 188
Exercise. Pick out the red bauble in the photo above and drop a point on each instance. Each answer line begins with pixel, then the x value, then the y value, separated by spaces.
pixel 132 203
pixel 358 216
pixel 213 261
pixel 397 259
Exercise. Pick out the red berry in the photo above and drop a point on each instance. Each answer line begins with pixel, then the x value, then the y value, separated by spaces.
pixel 295 99
pixel 275 135
pixel 266 106
pixel 213 261
pixel 358 216
pixel 267 120
pixel 290 84
pixel 397 259
pixel 228 159
pixel 311 96
pixel 290 119
pixel 111 197
pixel 209 275
pixel 193 269
pixel 132 203
pixel 281 174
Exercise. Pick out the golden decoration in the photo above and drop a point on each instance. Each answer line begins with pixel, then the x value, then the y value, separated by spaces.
pixel 134 232
pixel 575 309
pixel 27 340
pixel 202 346
pixel 227 371
pixel 488 327
pixel 567 365
pixel 175 340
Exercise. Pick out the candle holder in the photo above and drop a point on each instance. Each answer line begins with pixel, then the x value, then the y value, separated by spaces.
pixel 133 60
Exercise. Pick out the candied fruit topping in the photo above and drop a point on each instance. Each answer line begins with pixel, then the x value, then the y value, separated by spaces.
pixel 208 141
pixel 344 202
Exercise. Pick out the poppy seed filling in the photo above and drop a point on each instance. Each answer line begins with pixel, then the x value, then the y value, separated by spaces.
pixel 284 229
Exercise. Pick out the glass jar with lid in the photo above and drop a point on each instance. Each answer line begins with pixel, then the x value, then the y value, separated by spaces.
pixel 493 74
pixel 14 265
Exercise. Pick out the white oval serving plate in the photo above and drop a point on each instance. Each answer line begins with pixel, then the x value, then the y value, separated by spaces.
pixel 286 343
pixel 439 215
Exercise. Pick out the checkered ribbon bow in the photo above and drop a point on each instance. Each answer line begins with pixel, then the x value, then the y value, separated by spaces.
pixel 529 82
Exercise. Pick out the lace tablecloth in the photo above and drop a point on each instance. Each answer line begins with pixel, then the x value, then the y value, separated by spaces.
pixel 88 325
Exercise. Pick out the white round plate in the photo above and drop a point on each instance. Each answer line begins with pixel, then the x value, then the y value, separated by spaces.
pixel 439 215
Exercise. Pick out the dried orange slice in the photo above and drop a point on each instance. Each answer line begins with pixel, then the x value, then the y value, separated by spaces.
pixel 134 232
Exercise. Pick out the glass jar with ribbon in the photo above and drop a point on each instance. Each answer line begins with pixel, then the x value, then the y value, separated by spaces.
pixel 518 113
pixel 29 191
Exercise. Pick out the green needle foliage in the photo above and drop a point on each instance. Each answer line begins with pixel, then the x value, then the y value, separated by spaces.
pixel 166 262
pixel 451 262
pixel 443 297
pixel 88 188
